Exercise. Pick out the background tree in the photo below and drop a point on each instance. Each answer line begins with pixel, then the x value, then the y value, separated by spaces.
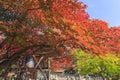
pixel 105 66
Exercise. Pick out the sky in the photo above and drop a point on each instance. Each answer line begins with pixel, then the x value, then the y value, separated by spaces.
pixel 106 10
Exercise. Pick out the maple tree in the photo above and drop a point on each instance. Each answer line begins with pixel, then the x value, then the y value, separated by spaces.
pixel 107 39
pixel 38 26
pixel 49 27
pixel 98 38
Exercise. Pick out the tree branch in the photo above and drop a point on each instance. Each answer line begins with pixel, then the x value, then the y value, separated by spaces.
pixel 12 59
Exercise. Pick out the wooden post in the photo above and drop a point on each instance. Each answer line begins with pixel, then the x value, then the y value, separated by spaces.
pixel 49 70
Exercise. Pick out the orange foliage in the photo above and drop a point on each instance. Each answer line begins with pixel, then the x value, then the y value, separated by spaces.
pixel 55 24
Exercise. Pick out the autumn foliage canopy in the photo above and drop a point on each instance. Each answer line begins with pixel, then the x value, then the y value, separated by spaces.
pixel 52 28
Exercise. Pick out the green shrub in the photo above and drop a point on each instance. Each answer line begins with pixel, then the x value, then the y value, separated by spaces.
pixel 107 66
